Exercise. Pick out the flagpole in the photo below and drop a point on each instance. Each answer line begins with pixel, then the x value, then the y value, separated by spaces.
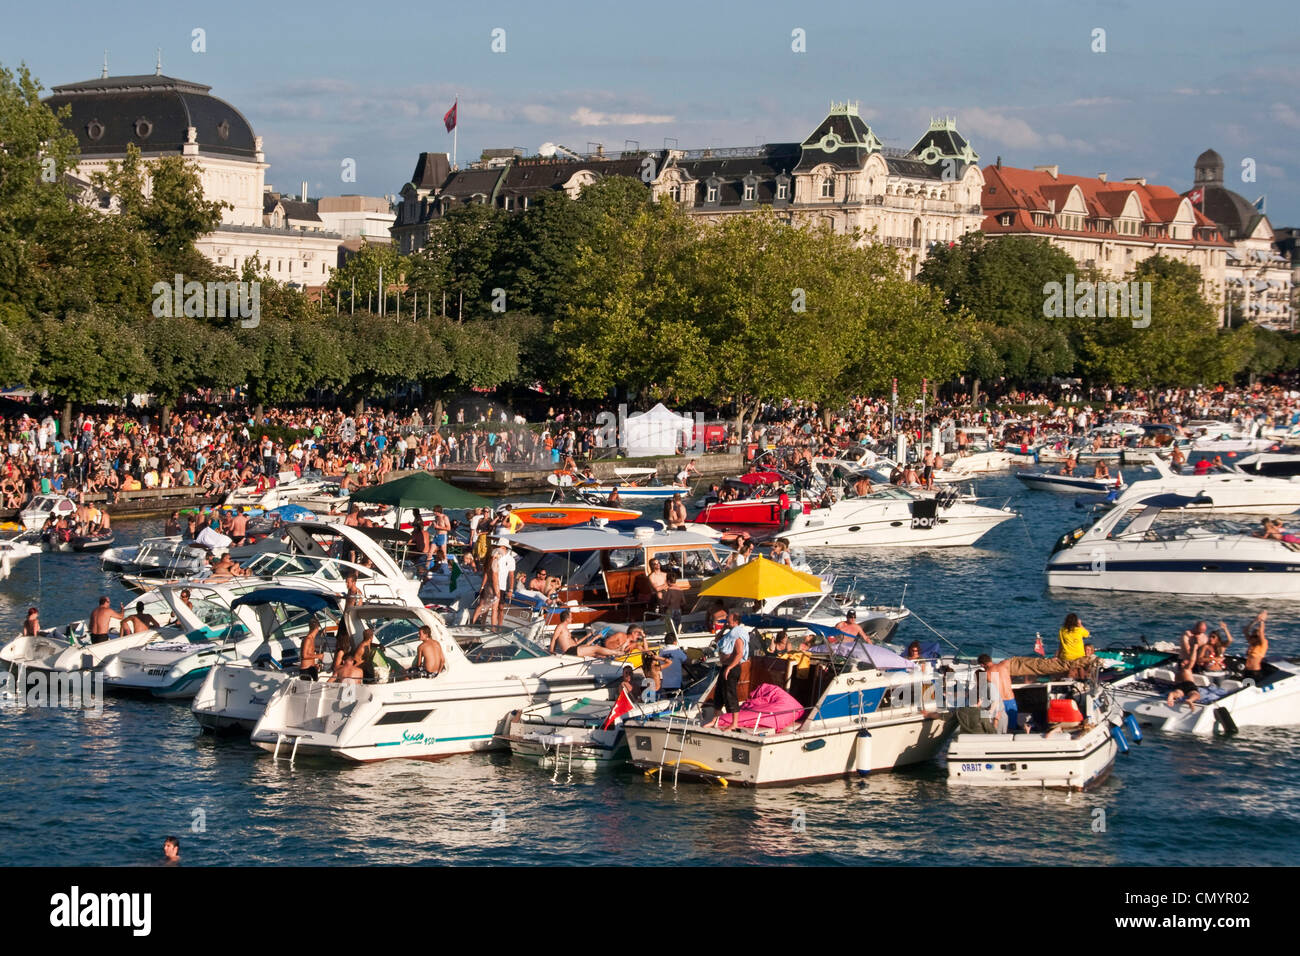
pixel 455 130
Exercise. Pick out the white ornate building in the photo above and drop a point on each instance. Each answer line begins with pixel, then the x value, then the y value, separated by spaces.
pixel 164 116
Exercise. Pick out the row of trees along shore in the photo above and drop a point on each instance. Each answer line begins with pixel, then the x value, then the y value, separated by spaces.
pixel 607 294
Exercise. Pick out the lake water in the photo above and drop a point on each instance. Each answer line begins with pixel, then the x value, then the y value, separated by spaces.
pixel 91 790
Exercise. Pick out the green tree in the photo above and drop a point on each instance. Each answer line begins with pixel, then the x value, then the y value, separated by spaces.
pixel 89 356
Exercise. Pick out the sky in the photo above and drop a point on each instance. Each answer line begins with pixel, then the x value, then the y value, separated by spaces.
pixel 1032 81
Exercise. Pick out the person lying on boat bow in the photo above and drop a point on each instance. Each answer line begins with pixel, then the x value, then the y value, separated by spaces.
pixel 563 642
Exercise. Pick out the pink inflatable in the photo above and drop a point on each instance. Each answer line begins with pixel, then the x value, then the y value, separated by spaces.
pixel 768 706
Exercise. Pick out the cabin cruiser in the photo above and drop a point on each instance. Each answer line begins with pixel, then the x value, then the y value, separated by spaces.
pixel 262 623
pixel 1126 550
pixel 288 487
pixel 604 572
pixel 462 709
pixel 892 517
pixel 633 484
pixel 42 508
pixel 587 732
pixel 1227 700
pixel 1227 490
pixel 73 650
pixel 1215 436
pixel 849 707
pixel 1069 739
pixel 980 457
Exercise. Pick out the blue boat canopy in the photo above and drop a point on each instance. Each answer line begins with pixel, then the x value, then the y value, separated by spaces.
pixel 772 621
pixel 307 600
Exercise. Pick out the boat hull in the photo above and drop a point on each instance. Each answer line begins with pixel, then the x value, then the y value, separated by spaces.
pixel 1051 761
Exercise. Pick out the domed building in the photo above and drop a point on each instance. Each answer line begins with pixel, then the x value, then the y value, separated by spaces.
pixel 1257 275
pixel 165 116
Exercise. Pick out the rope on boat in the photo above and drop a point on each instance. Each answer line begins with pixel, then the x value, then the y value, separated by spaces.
pixel 936 633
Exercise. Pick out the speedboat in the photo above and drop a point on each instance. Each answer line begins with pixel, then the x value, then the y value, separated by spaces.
pixel 1226 490
pixel 558 514
pixel 1213 437
pixel 1227 701
pixel 13 550
pixel 166 557
pixel 1072 737
pixel 1074 484
pixel 634 483
pixel 892 517
pixel 1271 464
pixel 1126 550
pixel 980 457
pixel 460 710
pixel 267 623
pixel 854 708
pixel 42 508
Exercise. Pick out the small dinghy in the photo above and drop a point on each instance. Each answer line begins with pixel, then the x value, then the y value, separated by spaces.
pixel 92 542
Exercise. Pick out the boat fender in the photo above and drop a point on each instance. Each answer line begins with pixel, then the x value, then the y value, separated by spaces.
pixel 1120 739
pixel 862 753
pixel 1134 730
pixel 1224 720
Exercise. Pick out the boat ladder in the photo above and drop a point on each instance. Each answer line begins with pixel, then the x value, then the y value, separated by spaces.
pixel 663 753
pixel 279 739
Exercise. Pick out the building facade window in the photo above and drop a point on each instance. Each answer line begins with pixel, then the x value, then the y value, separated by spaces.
pixel 711 192
pixel 782 189
pixel 749 191
pixel 828 187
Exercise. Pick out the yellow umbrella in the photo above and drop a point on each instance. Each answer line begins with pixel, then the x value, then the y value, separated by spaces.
pixel 759 579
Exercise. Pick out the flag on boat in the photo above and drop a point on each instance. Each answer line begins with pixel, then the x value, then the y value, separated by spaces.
pixel 1038 645
pixel 449 118
pixel 622 706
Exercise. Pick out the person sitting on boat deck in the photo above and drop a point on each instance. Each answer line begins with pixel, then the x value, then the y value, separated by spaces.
pixel 999 685
pixel 1071 636
pixel 781 552
pixel 1067 467
pixel 675 513
pixel 673 658
pixel 897 475
pixel 348 671
pixel 1177 459
pixel 429 658
pixel 139 622
pixel 851 627
pixel 629 685
pixel 1211 656
pixel 742 554
pixel 1100 469
pixel 862 487
pixel 658 580
pixel 626 642
pixel 173 525
pixel 1202 467
pixel 733 651
pixel 910 478
pixel 32 624
pixel 309 657
pixel 225 567
pixel 673 602
pixel 614 497
pixel 563 642
pixel 1193 639
pixel 652 672
pixel 101 618
pixel 1185 687
pixel 1256 647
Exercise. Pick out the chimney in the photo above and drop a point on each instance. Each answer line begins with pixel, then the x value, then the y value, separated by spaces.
pixel 304 190
pixel 999 162
pixel 1102 176
pixel 1052 171
pixel 1136 180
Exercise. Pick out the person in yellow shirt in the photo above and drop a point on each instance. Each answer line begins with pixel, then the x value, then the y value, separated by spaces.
pixel 1072 636
pixel 511 521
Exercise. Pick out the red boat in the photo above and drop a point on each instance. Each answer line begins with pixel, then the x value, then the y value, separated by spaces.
pixel 749 512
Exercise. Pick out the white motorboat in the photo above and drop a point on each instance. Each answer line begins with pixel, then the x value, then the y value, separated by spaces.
pixel 42 508
pixel 1212 437
pixel 1074 734
pixel 980 457
pixel 1226 702
pixel 893 517
pixel 170 556
pixel 1073 484
pixel 1226 490
pixel 1125 550
pixel 859 709
pixel 13 550
pixel 266 623
pixel 288 487
pixel 460 710
pixel 72 648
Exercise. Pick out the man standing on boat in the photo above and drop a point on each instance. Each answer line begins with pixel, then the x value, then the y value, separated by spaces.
pixel 733 651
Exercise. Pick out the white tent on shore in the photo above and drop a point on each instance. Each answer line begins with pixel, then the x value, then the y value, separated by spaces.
pixel 657 432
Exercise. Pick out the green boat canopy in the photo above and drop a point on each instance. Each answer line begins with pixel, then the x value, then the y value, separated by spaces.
pixel 419 490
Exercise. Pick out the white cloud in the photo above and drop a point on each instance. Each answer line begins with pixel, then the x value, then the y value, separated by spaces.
pixel 1286 115
pixel 588 117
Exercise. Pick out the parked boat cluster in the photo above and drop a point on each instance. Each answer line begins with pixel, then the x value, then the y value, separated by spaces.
pixel 583 635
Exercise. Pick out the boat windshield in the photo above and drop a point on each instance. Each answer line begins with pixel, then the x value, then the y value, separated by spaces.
pixel 798 607
pixel 273 565
pixel 486 645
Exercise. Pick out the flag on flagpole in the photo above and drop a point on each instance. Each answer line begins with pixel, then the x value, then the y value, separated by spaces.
pixel 1038 645
pixel 449 118
pixel 622 706
pixel 1259 204
pixel 1196 195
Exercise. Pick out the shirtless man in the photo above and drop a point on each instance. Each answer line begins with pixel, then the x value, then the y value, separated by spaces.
pixel 999 677
pixel 562 641
pixel 1185 688
pixel 429 659
pixel 238 528
pixel 100 620
pixel 309 657
pixel 675 514
pixel 1100 470
pixel 441 529
pixel 626 642
pixel 139 622
pixel 225 567
pixel 851 627
pixel 658 579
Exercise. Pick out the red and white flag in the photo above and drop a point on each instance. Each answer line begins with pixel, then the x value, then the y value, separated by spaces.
pixel 1038 646
pixel 622 706
pixel 449 118
pixel 1196 195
